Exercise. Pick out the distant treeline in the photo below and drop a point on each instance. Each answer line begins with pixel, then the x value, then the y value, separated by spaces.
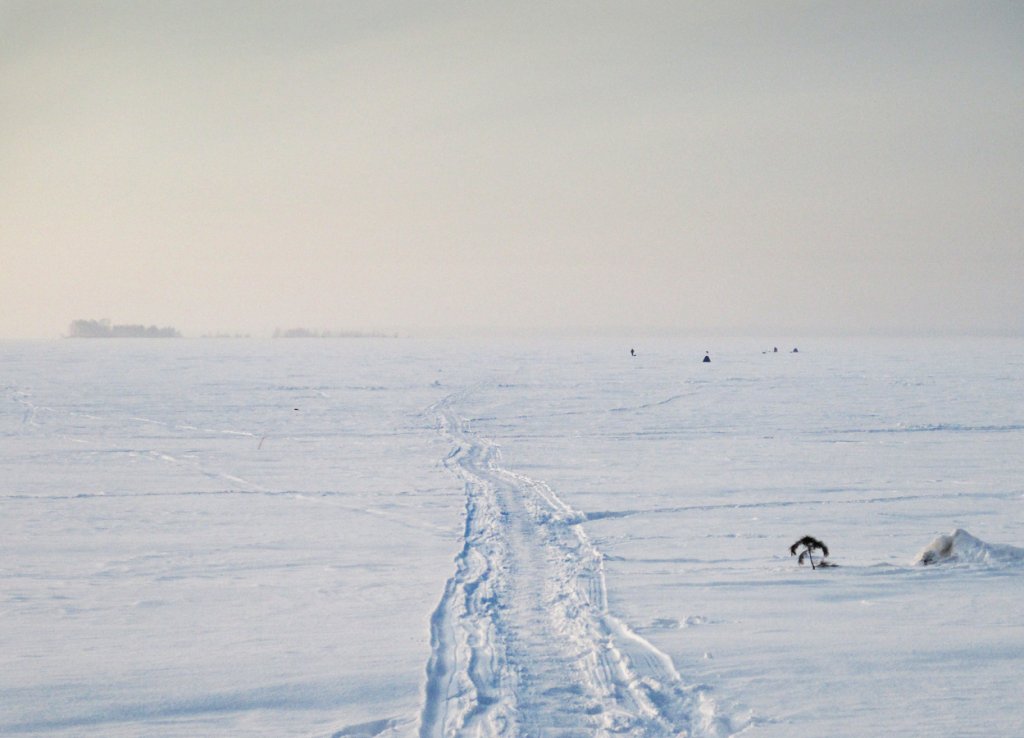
pixel 303 333
pixel 103 329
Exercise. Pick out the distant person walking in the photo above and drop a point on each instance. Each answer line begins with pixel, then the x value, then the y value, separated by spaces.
pixel 632 352
pixel 707 358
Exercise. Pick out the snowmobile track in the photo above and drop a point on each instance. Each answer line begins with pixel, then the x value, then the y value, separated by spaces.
pixel 522 640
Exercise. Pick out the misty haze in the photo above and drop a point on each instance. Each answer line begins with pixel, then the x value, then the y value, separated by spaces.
pixel 568 370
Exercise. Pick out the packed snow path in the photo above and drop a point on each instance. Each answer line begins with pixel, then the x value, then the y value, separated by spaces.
pixel 523 643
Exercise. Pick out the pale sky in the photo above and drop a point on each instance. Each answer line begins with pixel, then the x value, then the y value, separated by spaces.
pixel 753 167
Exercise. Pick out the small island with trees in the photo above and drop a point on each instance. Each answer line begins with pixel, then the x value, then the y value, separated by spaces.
pixel 104 329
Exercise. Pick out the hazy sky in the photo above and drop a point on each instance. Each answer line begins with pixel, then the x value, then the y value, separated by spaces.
pixel 759 167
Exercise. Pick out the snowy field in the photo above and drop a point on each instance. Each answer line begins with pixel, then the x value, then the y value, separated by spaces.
pixel 449 538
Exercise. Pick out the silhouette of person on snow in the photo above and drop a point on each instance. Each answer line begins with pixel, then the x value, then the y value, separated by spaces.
pixel 632 352
pixel 707 358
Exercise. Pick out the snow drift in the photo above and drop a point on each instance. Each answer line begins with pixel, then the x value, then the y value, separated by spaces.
pixel 961 546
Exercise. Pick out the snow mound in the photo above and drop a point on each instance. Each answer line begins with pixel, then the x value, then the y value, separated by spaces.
pixel 960 546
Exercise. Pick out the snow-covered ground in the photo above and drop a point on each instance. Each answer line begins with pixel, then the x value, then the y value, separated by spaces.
pixel 521 538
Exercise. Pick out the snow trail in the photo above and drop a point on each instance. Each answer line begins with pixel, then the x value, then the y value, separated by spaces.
pixel 522 640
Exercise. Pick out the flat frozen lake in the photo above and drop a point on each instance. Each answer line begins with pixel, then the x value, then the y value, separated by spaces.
pixel 523 538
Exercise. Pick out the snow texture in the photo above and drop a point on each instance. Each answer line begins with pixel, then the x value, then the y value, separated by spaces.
pixel 427 539
pixel 523 642
pixel 961 547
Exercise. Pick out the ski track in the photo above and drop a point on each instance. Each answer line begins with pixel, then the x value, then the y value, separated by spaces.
pixel 32 411
pixel 523 643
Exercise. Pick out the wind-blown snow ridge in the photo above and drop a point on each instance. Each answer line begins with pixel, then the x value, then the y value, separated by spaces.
pixel 523 643
pixel 960 546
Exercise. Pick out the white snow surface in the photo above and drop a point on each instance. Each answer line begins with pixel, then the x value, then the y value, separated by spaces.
pixel 961 546
pixel 510 538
